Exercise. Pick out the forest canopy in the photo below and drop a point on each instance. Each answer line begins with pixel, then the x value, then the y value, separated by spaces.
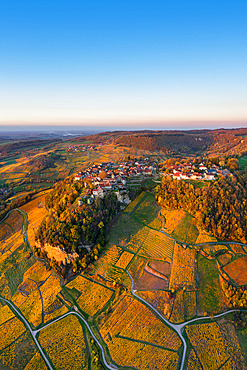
pixel 220 207
pixel 68 225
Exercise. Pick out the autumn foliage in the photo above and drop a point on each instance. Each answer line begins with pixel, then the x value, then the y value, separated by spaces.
pixel 219 207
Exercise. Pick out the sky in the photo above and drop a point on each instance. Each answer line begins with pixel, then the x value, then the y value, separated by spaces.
pixel 124 63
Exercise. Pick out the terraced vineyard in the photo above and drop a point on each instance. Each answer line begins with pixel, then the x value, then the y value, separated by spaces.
pixel 93 295
pixel 157 246
pixel 147 302
pixel 68 347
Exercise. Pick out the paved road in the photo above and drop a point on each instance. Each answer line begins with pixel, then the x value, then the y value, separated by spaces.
pixel 35 332
pixel 200 244
pixel 32 332
pixel 177 327
pixel 109 366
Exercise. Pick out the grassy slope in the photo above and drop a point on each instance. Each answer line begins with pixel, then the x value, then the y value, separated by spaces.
pixel 209 293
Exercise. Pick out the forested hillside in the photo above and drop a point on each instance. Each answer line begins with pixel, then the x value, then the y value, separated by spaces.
pixel 42 162
pixel 220 207
pixel 71 227
pixel 169 143
pixel 211 142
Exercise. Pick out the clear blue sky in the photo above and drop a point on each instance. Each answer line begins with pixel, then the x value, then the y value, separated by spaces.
pixel 123 62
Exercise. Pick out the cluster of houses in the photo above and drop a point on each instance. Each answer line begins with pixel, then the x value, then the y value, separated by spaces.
pixel 112 176
pixel 83 148
pixel 189 171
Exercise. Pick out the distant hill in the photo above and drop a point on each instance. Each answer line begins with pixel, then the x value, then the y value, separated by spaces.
pixel 20 145
pixel 211 142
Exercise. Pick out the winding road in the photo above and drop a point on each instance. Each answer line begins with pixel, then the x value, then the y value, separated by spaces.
pixel 201 244
pixel 35 332
pixel 32 332
pixel 178 328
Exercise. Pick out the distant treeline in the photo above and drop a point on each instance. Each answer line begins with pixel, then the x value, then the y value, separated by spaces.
pixel 219 207
pixel 231 142
pixel 168 143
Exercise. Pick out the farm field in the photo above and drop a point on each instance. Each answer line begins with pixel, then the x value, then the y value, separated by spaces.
pixel 131 327
pixel 210 299
pixel 36 296
pixel 19 354
pixel 233 268
pixel 183 268
pixel 186 230
pixel 10 331
pixel 36 211
pixel 11 234
pixel 124 259
pixel 216 345
pixel 172 218
pixel 36 363
pixel 93 295
pixel 158 299
pixel 68 349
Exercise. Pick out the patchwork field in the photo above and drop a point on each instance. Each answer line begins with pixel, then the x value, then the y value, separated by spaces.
pixel 183 268
pixel 106 268
pixel 172 218
pixel 36 363
pixel 146 210
pixel 67 349
pixel 210 298
pixel 178 278
pixel 10 331
pixel 36 296
pixel 15 259
pixel 135 202
pixel 233 268
pixel 11 234
pixel 5 314
pixel 159 299
pixel 19 354
pixel 215 345
pixel 186 230
pixel 204 238
pixel 93 295
pixel 132 328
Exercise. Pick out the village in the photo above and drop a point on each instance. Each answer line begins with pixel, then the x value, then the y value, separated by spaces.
pixel 190 171
pixel 82 148
pixel 101 178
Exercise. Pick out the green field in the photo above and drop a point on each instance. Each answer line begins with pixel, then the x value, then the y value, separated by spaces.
pixel 243 162
pixel 15 273
pixel 209 294
pixel 186 230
